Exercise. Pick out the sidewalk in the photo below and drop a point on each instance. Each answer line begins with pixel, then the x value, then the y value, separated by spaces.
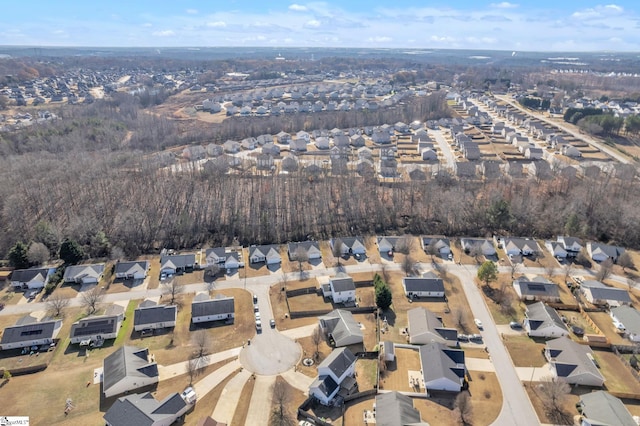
pixel 228 401
pixel 260 405
pixel 168 371
pixel 298 380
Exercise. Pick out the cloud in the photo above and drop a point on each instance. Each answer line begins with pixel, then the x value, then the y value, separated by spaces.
pixel 216 24
pixel 165 33
pixel 313 23
pixel 379 39
pixel 298 7
pixel 598 12
pixel 503 5
pixel 192 11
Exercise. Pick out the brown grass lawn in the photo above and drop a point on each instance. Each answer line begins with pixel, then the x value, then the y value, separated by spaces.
pixel 616 374
pixel 154 271
pixel 604 323
pixel 281 313
pixel 68 290
pixel 372 249
pixel 353 414
pixel 308 302
pixel 193 277
pixel 574 318
pixel 308 349
pixel 330 260
pixel 297 284
pixel 296 398
pixel 366 373
pixel 569 405
pixel 524 351
pixel 8 296
pixel 633 405
pixel 396 376
pixel 498 314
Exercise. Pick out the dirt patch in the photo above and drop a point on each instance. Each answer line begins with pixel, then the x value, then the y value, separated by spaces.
pixel 569 407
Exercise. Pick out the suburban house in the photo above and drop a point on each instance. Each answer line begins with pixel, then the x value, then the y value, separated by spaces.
pixel 96 328
pixel 572 362
pixel 441 244
pixel 128 369
pixel 571 245
pixel 136 270
pixel 536 288
pixel 145 410
pixel 387 244
pixel 425 327
pixel 341 289
pixel 311 249
pixel 172 264
pixel 443 368
pixel 205 309
pixel 336 372
pixel 29 279
pixel 225 257
pixel 600 408
pixel 30 332
pixel 598 293
pixel 270 254
pixel 428 285
pixel 556 249
pixel 83 274
pixel 600 252
pixel 150 315
pixel 350 245
pixel 543 321
pixel 396 409
pixel 626 319
pixel 485 245
pixel 340 326
pixel 518 246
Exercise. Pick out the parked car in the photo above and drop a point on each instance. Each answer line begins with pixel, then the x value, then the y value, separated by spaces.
pixel 257 316
pixel 515 325
pixel 463 338
pixel 258 325
pixel 578 331
pixel 255 308
pixel 478 323
pixel 255 298
pixel 272 323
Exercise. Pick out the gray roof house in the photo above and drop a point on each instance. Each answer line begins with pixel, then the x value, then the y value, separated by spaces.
pixel 428 285
pixel 149 315
pixel 601 294
pixel 600 408
pixel 441 243
pixel 145 410
pixel 573 362
pixel 30 278
pixel 176 263
pixel 204 309
pixel 600 252
pixel 627 319
pixel 136 270
pixel 227 257
pixel 336 371
pixel 350 245
pixel 396 409
pixel 443 368
pixel 128 369
pixel 312 249
pixel 342 288
pixel 425 327
pixel 340 326
pixel 518 246
pixel 387 244
pixel 543 321
pixel 30 334
pixel 96 328
pixel 485 245
pixel 537 288
pixel 270 254
pixel 571 245
pixel 83 274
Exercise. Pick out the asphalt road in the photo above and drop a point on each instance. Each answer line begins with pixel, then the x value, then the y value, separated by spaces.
pixel 445 149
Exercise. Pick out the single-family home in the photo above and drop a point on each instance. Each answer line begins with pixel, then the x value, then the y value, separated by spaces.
pixel 536 288
pixel 533 153
pixel 127 369
pixel 571 245
pixel 543 321
pixel 518 246
pixel 428 154
pixel 194 152
pixel 381 136
pixel 205 309
pixel 425 327
pixel 270 254
pixel 341 289
pixel 29 279
pixel 336 372
pixel 283 137
pixel 30 332
pixel 83 274
pixel 311 250
pixel 443 368
pixel 484 245
pixel 145 410
pixel 151 316
pixel 572 362
pixel 270 148
pixel 429 285
pixel 96 328
pixel 225 257
pixel 600 408
pixel 322 142
pixel 135 270
pixel 388 244
pixel 599 293
pixel 600 252
pixel 556 249
pixel 356 141
pixel 571 151
pixel 396 409
pixel 350 245
pixel 340 327
pixel 440 243
pixel 231 147
pixel 172 264
pixel 626 320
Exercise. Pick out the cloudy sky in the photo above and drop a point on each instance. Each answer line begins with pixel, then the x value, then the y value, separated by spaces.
pixel 543 25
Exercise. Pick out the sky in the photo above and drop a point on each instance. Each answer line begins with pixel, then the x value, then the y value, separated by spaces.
pixel 543 25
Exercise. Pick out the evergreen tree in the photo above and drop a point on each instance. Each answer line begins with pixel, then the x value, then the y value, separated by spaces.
pixel 18 256
pixel 70 252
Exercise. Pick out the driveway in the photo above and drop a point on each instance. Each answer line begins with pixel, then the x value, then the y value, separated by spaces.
pixel 445 149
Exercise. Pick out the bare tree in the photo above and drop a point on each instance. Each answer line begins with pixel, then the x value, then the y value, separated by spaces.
pixel 172 289
pixel 567 271
pixel 463 408
pixel 56 304
pixel 408 265
pixel 553 393
pixel 316 339
pixel 91 298
pixel 193 368
pixel 624 260
pixel 212 269
pixel 280 416
pixel 458 318
pixel 405 245
pixel 301 256
pixel 384 272
pixel 336 249
pixel 38 254
pixel 432 249
pixel 476 252
pixel 514 267
pixel 549 270
pixel 202 343
pixel 605 270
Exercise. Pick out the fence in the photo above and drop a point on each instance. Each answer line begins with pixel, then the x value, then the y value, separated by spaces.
pixel 24 370
pixel 304 314
pixel 590 322
pixel 359 395
pixel 632 370
pixel 564 306
pixel 361 284
pixel 303 291
pixel 367 354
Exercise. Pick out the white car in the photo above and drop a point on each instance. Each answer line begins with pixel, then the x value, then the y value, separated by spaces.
pixel 478 323
pixel 257 316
